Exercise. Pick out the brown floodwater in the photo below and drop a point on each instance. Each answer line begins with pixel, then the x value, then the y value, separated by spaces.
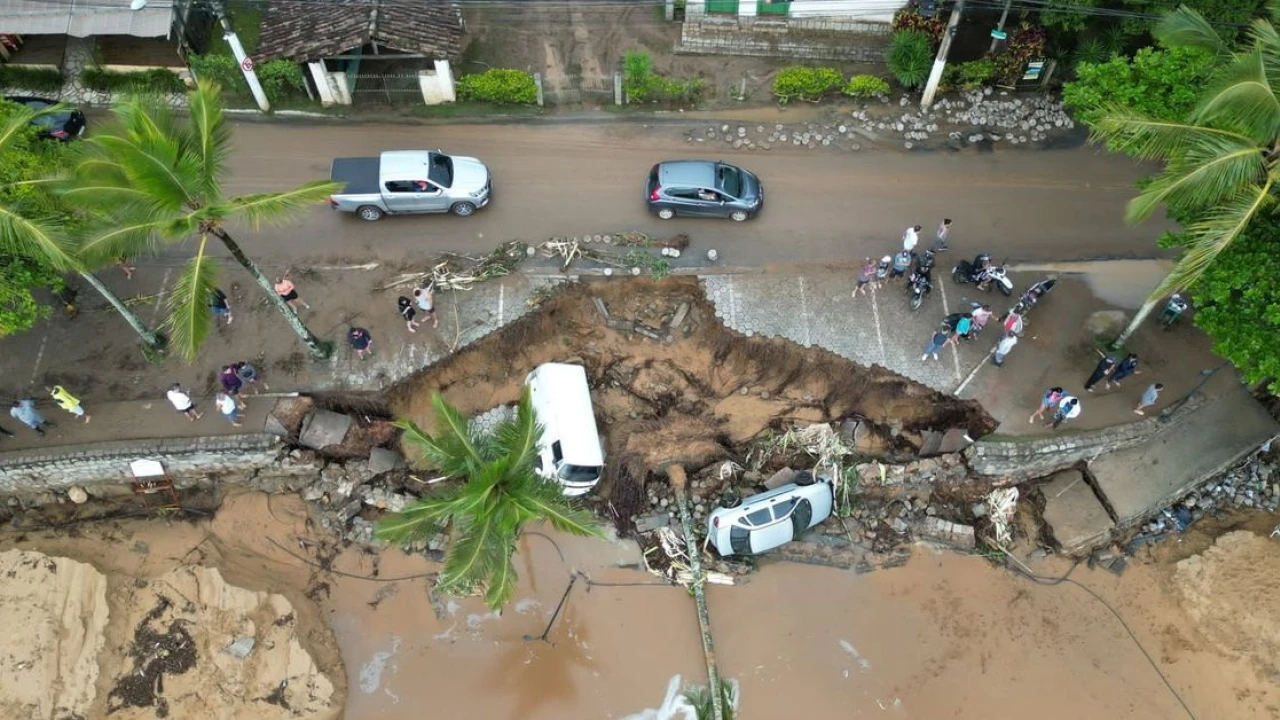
pixel 944 636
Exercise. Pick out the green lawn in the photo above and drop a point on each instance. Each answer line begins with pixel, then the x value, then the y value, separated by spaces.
pixel 246 18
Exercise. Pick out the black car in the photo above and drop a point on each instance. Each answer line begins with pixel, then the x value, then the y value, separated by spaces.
pixel 65 125
pixel 703 188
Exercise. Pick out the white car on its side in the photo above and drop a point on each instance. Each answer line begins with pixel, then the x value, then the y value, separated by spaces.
pixel 763 522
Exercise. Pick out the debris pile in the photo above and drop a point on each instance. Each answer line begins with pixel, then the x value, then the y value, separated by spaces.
pixel 1254 484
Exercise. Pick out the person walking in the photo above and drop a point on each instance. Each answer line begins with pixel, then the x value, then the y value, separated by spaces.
pixel 218 303
pixel 1003 348
pixel 425 298
pixel 1101 370
pixel 24 411
pixel 289 293
pixel 910 238
pixel 126 267
pixel 249 376
pixel 407 312
pixel 1068 409
pixel 882 271
pixel 1048 400
pixel 1149 397
pixel 181 402
pixel 361 341
pixel 228 407
pixel 1128 366
pixel 940 242
pixel 231 383
pixel 941 337
pixel 68 402
pixel 865 275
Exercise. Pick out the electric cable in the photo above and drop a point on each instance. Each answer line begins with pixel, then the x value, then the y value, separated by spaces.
pixel 355 576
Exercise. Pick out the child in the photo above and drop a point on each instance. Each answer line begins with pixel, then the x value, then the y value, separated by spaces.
pixel 865 275
pixel 407 312
pixel 882 270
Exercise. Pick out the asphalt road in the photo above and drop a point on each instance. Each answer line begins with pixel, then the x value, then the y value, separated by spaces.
pixel 822 206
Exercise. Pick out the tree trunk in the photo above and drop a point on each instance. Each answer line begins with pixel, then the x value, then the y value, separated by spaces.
pixel 153 340
pixel 1138 319
pixel 319 349
pixel 678 479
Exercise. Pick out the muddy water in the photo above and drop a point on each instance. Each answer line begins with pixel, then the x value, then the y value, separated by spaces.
pixel 944 636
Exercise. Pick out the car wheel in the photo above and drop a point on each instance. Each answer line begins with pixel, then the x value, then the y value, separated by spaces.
pixel 804 477
pixel 730 498
pixel 738 215
pixel 369 212
pixel 463 209
pixel 666 213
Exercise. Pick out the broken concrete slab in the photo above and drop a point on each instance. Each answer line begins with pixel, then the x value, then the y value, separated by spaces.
pixel 384 460
pixel 1073 512
pixel 780 478
pixel 681 313
pixel 599 303
pixel 649 523
pixel 323 428
pixel 1140 481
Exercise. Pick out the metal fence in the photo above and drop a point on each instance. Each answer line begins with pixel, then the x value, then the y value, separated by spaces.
pixel 386 88
pixel 578 89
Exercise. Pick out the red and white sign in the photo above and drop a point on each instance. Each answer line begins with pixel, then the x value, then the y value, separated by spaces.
pixel 247 64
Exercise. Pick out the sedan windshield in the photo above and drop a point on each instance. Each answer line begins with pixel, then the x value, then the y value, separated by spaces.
pixel 729 180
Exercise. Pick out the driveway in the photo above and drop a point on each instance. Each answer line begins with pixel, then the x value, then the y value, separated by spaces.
pixel 823 206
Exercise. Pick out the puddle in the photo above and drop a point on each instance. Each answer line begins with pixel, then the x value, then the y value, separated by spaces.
pixel 1122 283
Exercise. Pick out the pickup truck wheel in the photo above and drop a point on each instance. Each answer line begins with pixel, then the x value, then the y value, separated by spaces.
pixel 369 212
pixel 463 209
pixel 666 213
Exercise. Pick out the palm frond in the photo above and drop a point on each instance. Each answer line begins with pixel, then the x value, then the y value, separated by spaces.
pixel 1243 98
pixel 1200 177
pixel 25 237
pixel 110 239
pixel 543 498
pixel 1185 27
pixel 210 136
pixel 518 438
pixel 501 582
pixel 190 315
pixel 475 554
pixel 280 206
pixel 157 168
pixel 419 520
pixel 453 433
pixel 1210 235
pixel 18 121
pixel 1152 139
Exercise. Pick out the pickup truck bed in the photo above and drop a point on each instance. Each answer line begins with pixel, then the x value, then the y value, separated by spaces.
pixel 359 174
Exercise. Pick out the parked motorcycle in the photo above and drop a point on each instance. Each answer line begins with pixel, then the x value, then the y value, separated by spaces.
pixel 921 284
pixel 983 274
pixel 1037 291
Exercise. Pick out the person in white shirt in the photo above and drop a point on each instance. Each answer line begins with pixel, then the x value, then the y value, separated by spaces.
pixel 181 402
pixel 910 238
pixel 1004 348
pixel 228 407
pixel 1068 409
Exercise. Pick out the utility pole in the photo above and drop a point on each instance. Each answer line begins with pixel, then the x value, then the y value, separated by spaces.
pixel 995 39
pixel 246 63
pixel 940 63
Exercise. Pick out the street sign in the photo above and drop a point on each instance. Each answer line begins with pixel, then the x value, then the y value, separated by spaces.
pixel 1034 69
pixel 999 34
pixel 247 64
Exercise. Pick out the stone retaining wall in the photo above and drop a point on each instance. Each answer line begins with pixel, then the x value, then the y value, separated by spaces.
pixel 819 38
pixel 1019 460
pixel 60 468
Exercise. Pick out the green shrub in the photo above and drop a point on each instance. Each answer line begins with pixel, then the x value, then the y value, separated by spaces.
pixel 806 83
pixel 642 84
pixel 866 86
pixel 912 21
pixel 970 75
pixel 910 57
pixel 219 68
pixel 503 87
pixel 158 81
pixel 29 78
pixel 281 78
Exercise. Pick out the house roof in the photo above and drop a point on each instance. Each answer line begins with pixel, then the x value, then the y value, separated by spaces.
pixel 85 18
pixel 303 30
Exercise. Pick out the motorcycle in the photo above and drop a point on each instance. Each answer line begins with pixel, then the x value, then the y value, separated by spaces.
pixel 996 275
pixel 983 274
pixel 1173 310
pixel 1037 291
pixel 920 285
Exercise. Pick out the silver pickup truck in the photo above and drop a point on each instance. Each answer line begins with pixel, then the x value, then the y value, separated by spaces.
pixel 402 182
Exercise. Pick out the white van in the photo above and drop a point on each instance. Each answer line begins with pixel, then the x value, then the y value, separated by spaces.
pixel 570 451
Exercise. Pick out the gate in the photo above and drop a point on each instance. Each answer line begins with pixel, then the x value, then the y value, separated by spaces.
pixel 578 89
pixel 385 88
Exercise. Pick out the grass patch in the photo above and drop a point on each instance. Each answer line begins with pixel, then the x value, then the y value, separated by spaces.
pixel 246 18
pixel 463 109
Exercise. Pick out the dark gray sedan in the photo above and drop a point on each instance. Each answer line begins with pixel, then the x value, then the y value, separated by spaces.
pixel 703 188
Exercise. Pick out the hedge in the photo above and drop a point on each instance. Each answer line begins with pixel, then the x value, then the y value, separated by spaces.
pixel 806 83
pixel 29 78
pixel 158 81
pixel 503 87
pixel 866 86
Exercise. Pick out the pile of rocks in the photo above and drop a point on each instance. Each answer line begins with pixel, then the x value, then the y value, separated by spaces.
pixel 1253 484
pixel 342 491
pixel 766 137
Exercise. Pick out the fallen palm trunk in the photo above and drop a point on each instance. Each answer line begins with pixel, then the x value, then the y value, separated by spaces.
pixel 677 476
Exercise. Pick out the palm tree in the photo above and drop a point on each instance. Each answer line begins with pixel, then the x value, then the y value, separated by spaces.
pixel 155 180
pixel 483 514
pixel 1222 162
pixel 45 240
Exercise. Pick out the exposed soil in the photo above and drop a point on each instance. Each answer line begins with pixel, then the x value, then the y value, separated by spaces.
pixel 693 394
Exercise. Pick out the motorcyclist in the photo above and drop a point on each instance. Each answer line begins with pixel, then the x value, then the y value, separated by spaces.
pixel 981 270
pixel 1173 309
pixel 925 261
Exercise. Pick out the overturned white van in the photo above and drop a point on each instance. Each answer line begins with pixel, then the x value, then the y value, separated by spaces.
pixel 570 451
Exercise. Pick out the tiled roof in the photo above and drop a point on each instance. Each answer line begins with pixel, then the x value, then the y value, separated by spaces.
pixel 306 30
